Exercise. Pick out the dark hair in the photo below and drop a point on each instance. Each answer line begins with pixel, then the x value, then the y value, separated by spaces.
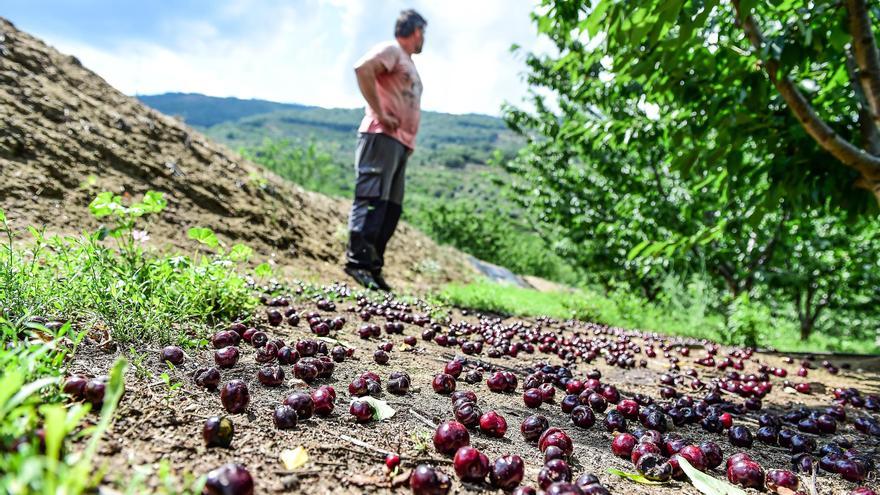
pixel 407 22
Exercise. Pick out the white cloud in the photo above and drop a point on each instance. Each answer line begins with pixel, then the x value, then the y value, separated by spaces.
pixel 304 53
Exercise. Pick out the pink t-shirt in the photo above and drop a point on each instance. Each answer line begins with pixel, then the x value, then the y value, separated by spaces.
pixel 399 91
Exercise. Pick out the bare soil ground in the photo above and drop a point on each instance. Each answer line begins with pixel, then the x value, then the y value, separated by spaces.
pixel 66 135
pixel 154 424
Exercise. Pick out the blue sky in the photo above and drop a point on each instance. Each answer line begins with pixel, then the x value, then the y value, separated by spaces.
pixel 297 51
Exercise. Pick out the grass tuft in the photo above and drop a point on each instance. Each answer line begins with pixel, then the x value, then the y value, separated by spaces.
pixel 107 280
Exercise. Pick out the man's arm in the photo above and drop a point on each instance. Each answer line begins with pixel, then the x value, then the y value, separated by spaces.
pixel 366 77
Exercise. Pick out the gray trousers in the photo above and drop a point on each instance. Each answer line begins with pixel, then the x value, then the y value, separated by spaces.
pixel 380 162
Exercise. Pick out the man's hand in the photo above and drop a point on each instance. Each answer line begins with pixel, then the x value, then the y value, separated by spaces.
pixel 366 77
pixel 389 122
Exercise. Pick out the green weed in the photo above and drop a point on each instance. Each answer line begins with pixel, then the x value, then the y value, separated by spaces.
pixel 30 402
pixel 108 279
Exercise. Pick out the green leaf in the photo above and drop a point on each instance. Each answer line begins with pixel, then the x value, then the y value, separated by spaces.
pixel 55 428
pixel 105 204
pixel 638 478
pixel 204 235
pixel 153 202
pixel 240 252
pixel 25 392
pixel 653 249
pixel 708 485
pixel 838 38
pixel 381 409
pixel 37 235
pixel 637 249
pixel 2 215
pixel 596 17
pixel 263 270
pixel 10 382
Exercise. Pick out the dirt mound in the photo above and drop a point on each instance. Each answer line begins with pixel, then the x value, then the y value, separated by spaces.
pixel 66 135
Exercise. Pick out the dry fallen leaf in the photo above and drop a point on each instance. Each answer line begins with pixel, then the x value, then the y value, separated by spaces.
pixel 294 459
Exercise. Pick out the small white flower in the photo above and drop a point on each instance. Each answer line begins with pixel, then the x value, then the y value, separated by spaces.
pixel 140 235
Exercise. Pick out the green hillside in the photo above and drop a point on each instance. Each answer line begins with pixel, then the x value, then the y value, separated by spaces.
pixel 444 139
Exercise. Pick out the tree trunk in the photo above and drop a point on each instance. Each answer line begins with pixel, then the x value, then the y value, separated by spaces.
pixel 650 290
pixel 806 328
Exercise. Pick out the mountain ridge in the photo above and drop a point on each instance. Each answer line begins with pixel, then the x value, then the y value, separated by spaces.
pixel 167 102
pixel 191 106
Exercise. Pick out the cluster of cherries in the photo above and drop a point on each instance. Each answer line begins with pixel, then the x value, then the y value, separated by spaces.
pixel 91 390
pixel 369 383
pixel 655 454
pixel 452 438
pixel 640 424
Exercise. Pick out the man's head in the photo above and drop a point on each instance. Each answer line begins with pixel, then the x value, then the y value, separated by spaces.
pixel 410 31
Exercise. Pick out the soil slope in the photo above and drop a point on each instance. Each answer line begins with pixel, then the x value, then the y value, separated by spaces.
pixel 66 134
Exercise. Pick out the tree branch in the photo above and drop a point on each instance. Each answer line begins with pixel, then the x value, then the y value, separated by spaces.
pixel 727 274
pixel 870 131
pixel 850 155
pixel 866 54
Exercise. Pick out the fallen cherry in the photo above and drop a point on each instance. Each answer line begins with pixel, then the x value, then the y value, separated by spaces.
pixel 654 467
pixel 533 426
pixel 443 383
pixel 323 398
pixel 780 478
pixel 361 410
pixel 172 354
pixel 271 376
pixel 623 445
pixel 507 472
pixel 493 424
pixel 746 473
pixel 231 479
pixel 208 378
pixel 554 471
pixel 218 432
pixel 284 417
pixel 582 417
pixel 712 454
pixel 450 436
pixel 226 357
pixel 533 398
pixel 425 480
pixel 302 403
pixel 235 396
pixel 470 464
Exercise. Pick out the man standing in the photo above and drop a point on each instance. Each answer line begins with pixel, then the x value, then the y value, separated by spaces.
pixel 388 79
